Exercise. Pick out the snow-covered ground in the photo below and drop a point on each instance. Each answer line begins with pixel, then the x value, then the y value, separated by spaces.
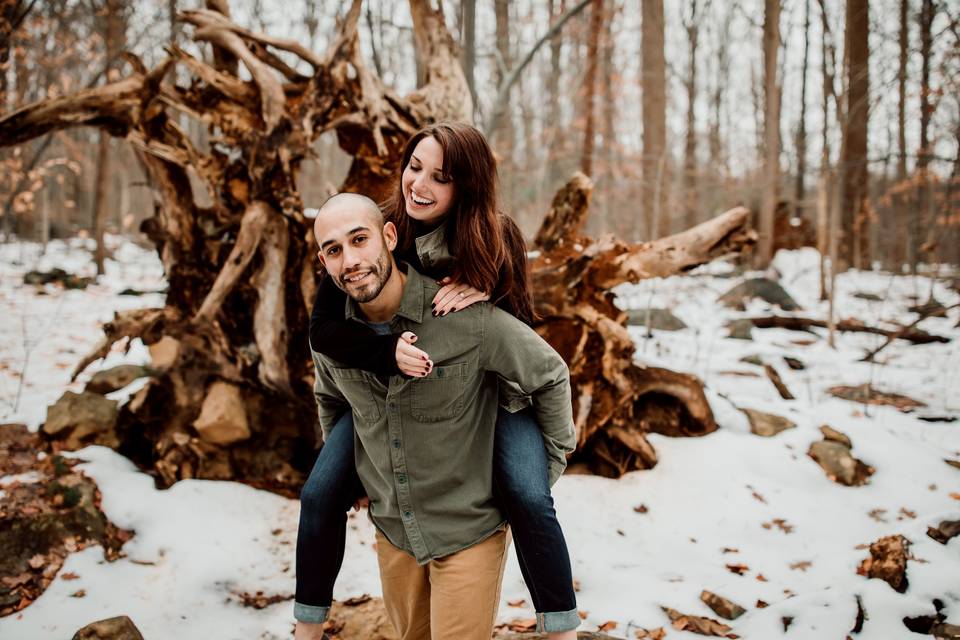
pixel 201 544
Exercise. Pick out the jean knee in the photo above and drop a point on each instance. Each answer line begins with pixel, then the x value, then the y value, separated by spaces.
pixel 529 498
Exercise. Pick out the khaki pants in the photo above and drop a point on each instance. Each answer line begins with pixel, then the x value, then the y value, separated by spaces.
pixel 451 598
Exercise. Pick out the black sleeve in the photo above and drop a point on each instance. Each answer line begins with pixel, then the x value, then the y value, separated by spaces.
pixel 351 343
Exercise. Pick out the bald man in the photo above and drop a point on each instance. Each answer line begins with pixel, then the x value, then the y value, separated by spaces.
pixel 424 447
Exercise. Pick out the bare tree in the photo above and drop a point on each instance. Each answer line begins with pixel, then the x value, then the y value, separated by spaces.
pixel 771 129
pixel 690 199
pixel 590 87
pixel 928 10
pixel 904 249
pixel 854 245
pixel 801 140
pixel 654 106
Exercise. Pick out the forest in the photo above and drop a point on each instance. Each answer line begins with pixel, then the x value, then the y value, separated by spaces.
pixel 743 227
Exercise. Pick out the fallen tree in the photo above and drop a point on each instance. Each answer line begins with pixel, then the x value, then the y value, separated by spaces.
pixel 231 395
pixel 796 323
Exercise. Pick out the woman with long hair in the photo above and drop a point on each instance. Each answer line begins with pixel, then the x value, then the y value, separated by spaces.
pixel 445 210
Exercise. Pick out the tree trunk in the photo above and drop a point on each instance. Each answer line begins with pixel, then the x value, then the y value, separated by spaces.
pixel 556 128
pixel 691 203
pixel 771 130
pixel 590 88
pixel 800 190
pixel 469 43
pixel 854 248
pixel 904 249
pixel 654 106
pixel 100 205
pixel 241 271
pixel 503 141
pixel 924 199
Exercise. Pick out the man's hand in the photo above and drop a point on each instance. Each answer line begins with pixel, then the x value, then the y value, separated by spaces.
pixel 453 297
pixel 412 361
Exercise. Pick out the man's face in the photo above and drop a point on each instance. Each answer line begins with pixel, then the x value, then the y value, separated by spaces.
pixel 355 251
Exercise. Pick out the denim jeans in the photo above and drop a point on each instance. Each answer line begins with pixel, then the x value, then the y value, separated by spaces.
pixel 520 485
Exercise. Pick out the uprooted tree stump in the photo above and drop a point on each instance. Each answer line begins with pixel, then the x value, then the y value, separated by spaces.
pixel 231 395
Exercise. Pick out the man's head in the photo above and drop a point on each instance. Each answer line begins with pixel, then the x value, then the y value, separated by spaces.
pixel 355 244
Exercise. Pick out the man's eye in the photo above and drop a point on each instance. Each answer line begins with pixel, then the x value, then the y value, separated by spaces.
pixel 332 251
pixel 359 239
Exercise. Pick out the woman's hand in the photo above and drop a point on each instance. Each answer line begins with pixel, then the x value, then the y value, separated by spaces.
pixel 412 361
pixel 453 297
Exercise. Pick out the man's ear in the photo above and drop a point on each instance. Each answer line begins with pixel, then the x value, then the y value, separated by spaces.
pixel 320 258
pixel 390 235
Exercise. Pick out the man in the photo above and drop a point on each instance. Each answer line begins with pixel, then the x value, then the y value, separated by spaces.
pixel 424 447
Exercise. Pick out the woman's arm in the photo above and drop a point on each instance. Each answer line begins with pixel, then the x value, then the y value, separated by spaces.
pixel 352 343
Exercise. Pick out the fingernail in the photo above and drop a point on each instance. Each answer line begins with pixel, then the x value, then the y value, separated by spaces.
pixel 433 305
pixel 445 312
pixel 453 309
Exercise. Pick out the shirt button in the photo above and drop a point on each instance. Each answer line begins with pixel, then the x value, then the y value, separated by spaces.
pixel 402 478
pixel 396 444
pixel 407 514
pixel 392 404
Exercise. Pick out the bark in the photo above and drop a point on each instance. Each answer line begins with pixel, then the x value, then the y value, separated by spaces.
pixel 240 271
pixel 654 107
pixel 691 203
pixel 800 189
pixel 555 131
pixel 771 130
pixel 100 209
pixel 503 141
pixel 924 199
pixel 854 248
pixel 590 87
pixel 469 39
pixel 903 245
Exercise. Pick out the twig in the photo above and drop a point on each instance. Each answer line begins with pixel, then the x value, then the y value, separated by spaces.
pixel 778 382
pixel 899 334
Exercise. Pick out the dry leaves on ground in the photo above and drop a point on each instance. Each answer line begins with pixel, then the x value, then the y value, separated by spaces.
pixel 698 624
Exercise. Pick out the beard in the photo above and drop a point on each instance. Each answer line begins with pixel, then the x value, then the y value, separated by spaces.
pixel 371 286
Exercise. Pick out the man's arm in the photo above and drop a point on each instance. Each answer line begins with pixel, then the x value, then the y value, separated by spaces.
pixel 516 352
pixel 330 402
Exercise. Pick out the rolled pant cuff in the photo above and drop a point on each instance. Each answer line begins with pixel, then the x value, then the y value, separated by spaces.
pixel 310 614
pixel 556 621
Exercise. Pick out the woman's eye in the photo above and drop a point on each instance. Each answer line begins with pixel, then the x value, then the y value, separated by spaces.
pixel 442 179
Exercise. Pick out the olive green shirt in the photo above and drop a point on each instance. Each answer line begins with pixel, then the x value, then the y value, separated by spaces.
pixel 424 446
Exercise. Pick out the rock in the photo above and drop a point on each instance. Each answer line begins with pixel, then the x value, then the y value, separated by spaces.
pixel 164 352
pixel 752 359
pixel 768 290
pixel 888 562
pixel 119 628
pixel 79 419
pixel 661 319
pixel 118 377
pixel 944 631
pixel 840 466
pixel 866 394
pixel 767 424
pixel 223 416
pixel 721 606
pixel 740 329
pixel 829 433
pixel 865 295
pixel 57 275
pixel 944 531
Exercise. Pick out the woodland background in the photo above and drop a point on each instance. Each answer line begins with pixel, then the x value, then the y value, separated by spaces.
pixel 800 107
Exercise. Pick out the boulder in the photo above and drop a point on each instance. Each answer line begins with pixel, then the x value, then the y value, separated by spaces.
pixel 767 424
pixel 661 319
pixel 763 288
pixel 114 378
pixel 740 329
pixel 223 416
pixel 119 628
pixel 80 419
pixel 838 463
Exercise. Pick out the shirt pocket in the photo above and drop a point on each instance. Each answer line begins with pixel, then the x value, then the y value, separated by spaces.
pixel 439 395
pixel 355 387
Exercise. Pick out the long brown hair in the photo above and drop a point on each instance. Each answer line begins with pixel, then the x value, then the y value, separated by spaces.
pixel 483 258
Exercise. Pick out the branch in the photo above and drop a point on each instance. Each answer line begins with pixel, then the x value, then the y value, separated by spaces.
pixel 503 92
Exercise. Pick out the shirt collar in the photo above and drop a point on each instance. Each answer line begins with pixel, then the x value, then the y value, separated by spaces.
pixel 411 301
pixel 433 241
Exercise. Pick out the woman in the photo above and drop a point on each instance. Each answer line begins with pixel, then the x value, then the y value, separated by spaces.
pixel 444 208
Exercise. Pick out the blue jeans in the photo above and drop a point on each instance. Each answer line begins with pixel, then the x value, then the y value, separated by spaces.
pixel 520 485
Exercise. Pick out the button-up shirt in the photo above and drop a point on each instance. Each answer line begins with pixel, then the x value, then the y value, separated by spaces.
pixel 424 446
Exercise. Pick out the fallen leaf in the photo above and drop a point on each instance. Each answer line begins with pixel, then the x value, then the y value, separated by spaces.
pixel 69 575
pixel 803 565
pixel 651 634
pixel 37 561
pixel 583 614
pixel 721 606
pixel 356 601
pixel 609 625
pixel 761 578
pixel 761 604
pixel 620 532
pixel 877 514
pixel 779 523
pixel 78 594
pixel 641 508
pixel 955 496
pixel 698 624
pixel 730 550
pixel 907 513
pixel 738 569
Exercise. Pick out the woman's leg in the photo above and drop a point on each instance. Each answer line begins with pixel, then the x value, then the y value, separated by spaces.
pixel 521 485
pixel 327 495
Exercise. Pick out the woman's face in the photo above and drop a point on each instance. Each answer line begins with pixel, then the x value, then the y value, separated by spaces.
pixel 427 192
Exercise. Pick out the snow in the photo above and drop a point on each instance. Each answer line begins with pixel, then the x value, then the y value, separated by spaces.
pixel 200 544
